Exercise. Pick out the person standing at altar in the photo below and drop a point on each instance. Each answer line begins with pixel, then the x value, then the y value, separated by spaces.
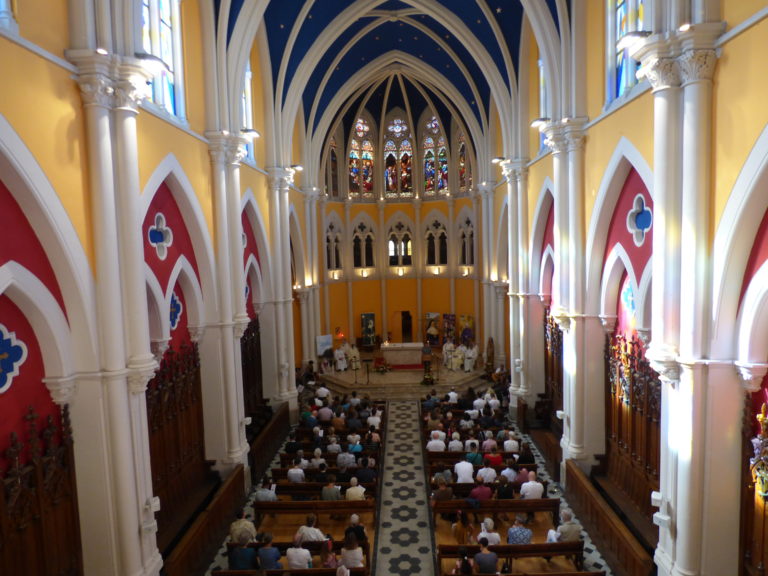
pixel 354 357
pixel 447 353
pixel 340 358
pixel 457 360
pixel 470 356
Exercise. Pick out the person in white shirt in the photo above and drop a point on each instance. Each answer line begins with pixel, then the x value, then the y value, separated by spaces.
pixel 453 396
pixel 464 472
pixel 478 403
pixel 296 474
pixel 533 488
pixel 510 471
pixel 487 473
pixel 447 353
pixel 340 359
pixel 309 532
pixel 298 558
pixel 322 392
pixel 456 445
pixel 355 492
pixel 470 356
pixel 511 444
pixel 435 444
pixel 486 531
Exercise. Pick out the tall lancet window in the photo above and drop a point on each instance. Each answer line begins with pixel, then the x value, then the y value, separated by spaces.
pixel 398 160
pixel 161 37
pixel 627 17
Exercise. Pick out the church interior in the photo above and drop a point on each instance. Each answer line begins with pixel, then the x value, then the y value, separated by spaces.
pixel 198 198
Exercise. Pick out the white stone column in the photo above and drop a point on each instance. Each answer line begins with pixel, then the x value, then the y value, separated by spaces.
pixel 485 195
pixel 7 19
pixel 116 523
pixel 664 75
pixel 221 348
pixel 499 339
pixel 513 269
pixel 696 67
pixel 129 91
pixel 418 265
pixel 382 265
pixel 454 267
pixel 557 143
pixel 521 364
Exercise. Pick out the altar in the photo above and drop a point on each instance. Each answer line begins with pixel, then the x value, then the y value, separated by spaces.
pixel 402 353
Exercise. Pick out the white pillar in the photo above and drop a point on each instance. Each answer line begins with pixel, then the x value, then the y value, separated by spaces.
pixel 697 67
pixel 116 525
pixel 7 19
pixel 557 143
pixel 141 361
pixel 513 250
pixel 664 76
pixel 522 364
pixel 455 269
pixel 487 277
pixel 382 265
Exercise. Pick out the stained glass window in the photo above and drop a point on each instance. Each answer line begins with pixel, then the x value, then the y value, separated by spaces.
pixel 161 37
pixel 367 168
pixel 354 167
pixel 462 163
pixel 398 128
pixel 361 127
pixel 406 153
pixel 246 105
pixel 628 16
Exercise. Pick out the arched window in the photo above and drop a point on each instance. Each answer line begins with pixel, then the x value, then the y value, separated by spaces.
pixel 354 168
pixel 400 246
pixel 332 247
pixel 367 167
pixel 161 37
pixel 466 244
pixel 362 247
pixel 626 17
pixel 442 159
pixel 464 168
pixel 435 159
pixel 246 108
pixel 398 160
pixel 333 170
pixel 437 244
pixel 429 166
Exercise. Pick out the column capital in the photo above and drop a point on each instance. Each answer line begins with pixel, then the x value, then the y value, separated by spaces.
pixel 131 86
pixel 662 72
pixel 280 178
pixel 555 139
pixel 96 90
pixel 608 322
pixel 62 389
pixel 158 348
pixel 196 333
pixel 751 374
pixel 241 325
pixel 562 318
pixel 663 359
pixel 697 65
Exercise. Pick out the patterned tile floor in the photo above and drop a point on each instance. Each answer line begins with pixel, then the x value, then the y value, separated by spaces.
pixel 405 543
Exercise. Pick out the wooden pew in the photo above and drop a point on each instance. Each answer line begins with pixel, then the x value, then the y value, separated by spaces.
pixel 551 505
pixel 614 540
pixel 286 460
pixel 312 490
pixel 313 547
pixel 462 490
pixel 305 572
pixel 281 474
pixel 194 551
pixel 569 573
pixel 511 552
pixel 319 507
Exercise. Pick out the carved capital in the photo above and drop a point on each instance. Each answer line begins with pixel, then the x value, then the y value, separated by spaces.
pixel 96 90
pixel 196 333
pixel 555 138
pixel 697 65
pixel 663 359
pixel 158 348
pixel 241 325
pixel 562 319
pixel 141 371
pixel 235 150
pixel 280 179
pixel 751 374
pixel 662 73
pixel 62 389
pixel 608 323
pixel 645 335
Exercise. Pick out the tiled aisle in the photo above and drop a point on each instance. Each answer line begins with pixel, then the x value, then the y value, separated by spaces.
pixel 404 540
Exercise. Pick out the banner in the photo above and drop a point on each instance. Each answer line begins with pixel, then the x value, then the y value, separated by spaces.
pixel 449 328
pixel 432 331
pixel 368 332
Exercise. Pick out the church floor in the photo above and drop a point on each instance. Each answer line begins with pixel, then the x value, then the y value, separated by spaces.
pixel 404 542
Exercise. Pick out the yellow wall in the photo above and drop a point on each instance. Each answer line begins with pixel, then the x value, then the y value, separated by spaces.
pixel 154 135
pixel 537 174
pixel 193 66
pixel 533 97
pixel 740 86
pixel 337 293
pixel 44 23
pixel 465 302
pixel 298 349
pixel 633 121
pixel 366 298
pixel 595 46
pixel 259 185
pixel 436 295
pixel 259 106
pixel 736 11
pixel 42 104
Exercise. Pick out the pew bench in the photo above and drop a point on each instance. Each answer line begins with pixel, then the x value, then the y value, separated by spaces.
pixel 550 505
pixel 511 552
pixel 306 572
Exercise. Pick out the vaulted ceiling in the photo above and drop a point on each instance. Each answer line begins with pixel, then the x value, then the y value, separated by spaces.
pixel 457 57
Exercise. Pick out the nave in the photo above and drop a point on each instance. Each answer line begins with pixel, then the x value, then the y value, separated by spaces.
pixel 408 537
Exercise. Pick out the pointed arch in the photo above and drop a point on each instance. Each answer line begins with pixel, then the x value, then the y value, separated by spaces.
pixel 30 187
pixel 184 275
pixel 616 264
pixel 733 243
pixel 625 157
pixel 502 243
pixel 752 347
pixel 159 322
pixel 546 274
pixel 303 275
pixel 545 203
pixel 169 171
pixel 253 214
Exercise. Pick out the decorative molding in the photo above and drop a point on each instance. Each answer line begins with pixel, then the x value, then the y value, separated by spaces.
pixel 751 374
pixel 96 90
pixel 555 138
pixel 662 73
pixel 665 363
pixel 608 323
pixel 196 333
pixel 645 335
pixel 697 65
pixel 562 319
pixel 158 348
pixel 241 325
pixel 62 389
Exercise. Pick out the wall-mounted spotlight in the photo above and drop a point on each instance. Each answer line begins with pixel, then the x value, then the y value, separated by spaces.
pixel 499 160
pixel 685 27
pixel 101 51
pixel 151 63
pixel 297 167
pixel 250 133
pixel 632 39
pixel 540 123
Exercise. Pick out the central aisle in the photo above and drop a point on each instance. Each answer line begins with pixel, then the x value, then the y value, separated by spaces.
pixel 405 543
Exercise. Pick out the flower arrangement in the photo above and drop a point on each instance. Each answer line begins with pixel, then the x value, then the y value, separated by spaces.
pixel 382 367
pixel 428 380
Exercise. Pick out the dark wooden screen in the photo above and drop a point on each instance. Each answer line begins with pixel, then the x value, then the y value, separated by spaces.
pixel 39 522
pixel 633 421
pixel 552 399
pixel 181 477
pixel 250 352
pixel 753 537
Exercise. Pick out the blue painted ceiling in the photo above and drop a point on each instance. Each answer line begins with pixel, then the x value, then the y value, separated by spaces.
pixel 450 38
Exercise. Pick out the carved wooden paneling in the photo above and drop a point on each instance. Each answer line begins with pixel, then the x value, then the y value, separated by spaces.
pixel 633 421
pixel 39 522
pixel 181 477
pixel 250 352
pixel 553 373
